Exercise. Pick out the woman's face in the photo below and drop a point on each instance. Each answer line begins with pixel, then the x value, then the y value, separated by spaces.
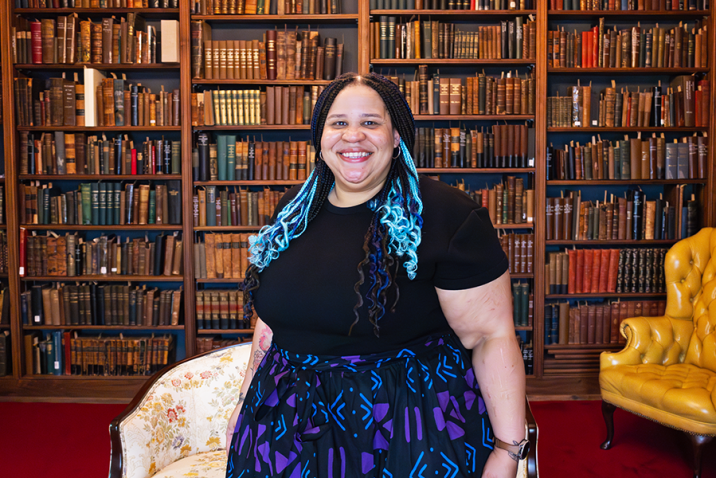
pixel 358 140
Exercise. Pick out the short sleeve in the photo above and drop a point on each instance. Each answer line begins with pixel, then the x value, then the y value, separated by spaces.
pixel 474 256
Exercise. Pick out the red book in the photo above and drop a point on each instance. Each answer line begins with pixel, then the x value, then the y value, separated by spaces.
pixel 613 269
pixel 705 101
pixel 596 264
pixel 580 272
pixel 588 260
pixel 23 256
pixel 595 47
pixel 598 324
pixel 36 38
pixel 606 331
pixel 604 271
pixel 572 283
pixel 134 161
pixel 585 49
pixel 697 105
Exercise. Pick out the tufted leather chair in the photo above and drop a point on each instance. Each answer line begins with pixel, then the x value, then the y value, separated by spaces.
pixel 667 371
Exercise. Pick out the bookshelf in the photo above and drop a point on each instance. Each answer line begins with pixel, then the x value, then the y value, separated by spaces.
pixel 557 369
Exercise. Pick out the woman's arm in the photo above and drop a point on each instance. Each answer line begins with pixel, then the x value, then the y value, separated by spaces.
pixel 482 319
pixel 263 337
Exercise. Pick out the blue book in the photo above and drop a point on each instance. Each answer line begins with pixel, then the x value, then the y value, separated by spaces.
pixel 231 157
pixel 58 356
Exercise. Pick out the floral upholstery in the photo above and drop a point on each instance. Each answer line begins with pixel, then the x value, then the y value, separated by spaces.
pixel 179 427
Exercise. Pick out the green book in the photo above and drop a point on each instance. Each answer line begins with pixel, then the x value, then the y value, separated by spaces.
pixel 516 303
pixel 86 204
pixel 102 204
pixel 41 203
pixel 625 159
pixel 152 206
pixel 176 157
pixel 222 156
pixel 225 216
pixel 116 204
pixel 524 299
pixel 260 6
pixel 231 157
pixel 427 39
pixel 95 203
pixel 211 205
pixel 109 206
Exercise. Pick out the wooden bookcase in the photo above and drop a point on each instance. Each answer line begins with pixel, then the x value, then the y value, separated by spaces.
pixel 18 386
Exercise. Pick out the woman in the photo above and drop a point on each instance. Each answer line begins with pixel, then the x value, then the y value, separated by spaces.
pixel 378 291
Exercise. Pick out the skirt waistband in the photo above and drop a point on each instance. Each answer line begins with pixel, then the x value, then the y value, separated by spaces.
pixel 357 363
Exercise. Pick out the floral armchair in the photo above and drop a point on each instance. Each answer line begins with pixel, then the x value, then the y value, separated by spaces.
pixel 175 426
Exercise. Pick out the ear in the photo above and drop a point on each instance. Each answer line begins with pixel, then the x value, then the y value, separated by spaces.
pixel 396 138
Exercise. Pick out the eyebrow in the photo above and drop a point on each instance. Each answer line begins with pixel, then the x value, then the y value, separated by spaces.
pixel 364 115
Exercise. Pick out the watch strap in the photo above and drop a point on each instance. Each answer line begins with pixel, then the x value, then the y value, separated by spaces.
pixel 517 451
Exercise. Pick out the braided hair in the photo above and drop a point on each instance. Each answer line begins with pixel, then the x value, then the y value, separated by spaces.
pixel 395 228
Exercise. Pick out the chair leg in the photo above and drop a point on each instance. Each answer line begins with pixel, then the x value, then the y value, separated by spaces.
pixel 608 413
pixel 698 443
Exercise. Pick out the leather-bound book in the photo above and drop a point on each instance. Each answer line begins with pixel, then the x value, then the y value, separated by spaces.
pixel 558 229
pixel 588 265
pixel 445 105
pixel 550 219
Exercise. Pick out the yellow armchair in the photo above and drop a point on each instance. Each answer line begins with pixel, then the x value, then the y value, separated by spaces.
pixel 667 370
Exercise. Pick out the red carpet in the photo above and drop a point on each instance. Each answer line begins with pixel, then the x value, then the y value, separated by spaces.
pixel 72 441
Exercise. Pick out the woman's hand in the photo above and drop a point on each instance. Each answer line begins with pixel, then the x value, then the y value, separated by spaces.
pixel 499 465
pixel 232 422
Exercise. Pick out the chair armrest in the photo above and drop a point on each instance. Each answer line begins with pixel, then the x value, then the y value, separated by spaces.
pixel 656 340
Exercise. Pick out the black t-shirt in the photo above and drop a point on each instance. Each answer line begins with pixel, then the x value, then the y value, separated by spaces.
pixel 307 294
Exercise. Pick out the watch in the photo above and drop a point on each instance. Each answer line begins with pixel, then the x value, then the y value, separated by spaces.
pixel 517 452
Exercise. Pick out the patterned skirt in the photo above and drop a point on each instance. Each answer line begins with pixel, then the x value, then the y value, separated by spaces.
pixel 413 412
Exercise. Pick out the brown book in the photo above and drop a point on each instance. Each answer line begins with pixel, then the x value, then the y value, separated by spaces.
pixel 143 204
pixel 444 96
pixel 210 254
pixel 219 255
pixel 454 95
pixel 178 257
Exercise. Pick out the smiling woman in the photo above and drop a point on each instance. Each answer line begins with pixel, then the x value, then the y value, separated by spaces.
pixel 386 341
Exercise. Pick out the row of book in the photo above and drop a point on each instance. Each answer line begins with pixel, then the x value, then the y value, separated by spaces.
pixel 506 94
pixel 625 218
pixel 507 202
pixel 633 5
pixel 221 256
pixel 522 304
pixel 279 105
pixel 450 5
pixel 62 353
pixel 527 350
pixel 414 39
pixel 220 310
pixel 519 249
pixel 100 204
pixel 72 256
pixel 222 207
pixel 69 40
pixel 50 4
pixel 588 324
pixel 594 271
pixel 207 344
pixel 229 159
pixel 635 47
pixel 501 146
pixel 107 102
pixel 265 7
pixel 61 153
pixel 65 304
pixel 630 158
pixel 684 104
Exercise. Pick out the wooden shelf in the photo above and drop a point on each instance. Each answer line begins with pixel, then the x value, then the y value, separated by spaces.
pixel 103 278
pixel 99 177
pixel 125 227
pixel 525 328
pixel 522 276
pixel 626 14
pixel 605 295
pixel 660 242
pixel 475 170
pixel 141 129
pixel 97 66
pixel 473 117
pixel 312 19
pixel 88 377
pixel 583 346
pixel 456 14
pixel 4 326
pixel 270 127
pixel 527 225
pixel 392 62
pixel 224 331
pixel 227 228
pixel 623 182
pixel 252 182
pixel 628 129
pixel 219 281
pixel 97 11
pixel 259 82
pixel 103 327
pixel 629 71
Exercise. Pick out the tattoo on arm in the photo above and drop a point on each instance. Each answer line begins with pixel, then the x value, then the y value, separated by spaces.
pixel 263 345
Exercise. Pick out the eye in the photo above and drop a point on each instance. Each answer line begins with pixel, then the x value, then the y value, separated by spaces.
pixel 339 123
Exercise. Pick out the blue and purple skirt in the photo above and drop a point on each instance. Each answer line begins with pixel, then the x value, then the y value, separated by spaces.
pixel 415 412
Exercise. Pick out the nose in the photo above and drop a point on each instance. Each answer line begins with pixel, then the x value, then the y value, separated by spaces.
pixel 353 134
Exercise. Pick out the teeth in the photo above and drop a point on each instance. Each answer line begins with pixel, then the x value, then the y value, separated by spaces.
pixel 355 155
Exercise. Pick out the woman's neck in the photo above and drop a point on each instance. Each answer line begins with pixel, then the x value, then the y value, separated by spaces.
pixel 340 197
